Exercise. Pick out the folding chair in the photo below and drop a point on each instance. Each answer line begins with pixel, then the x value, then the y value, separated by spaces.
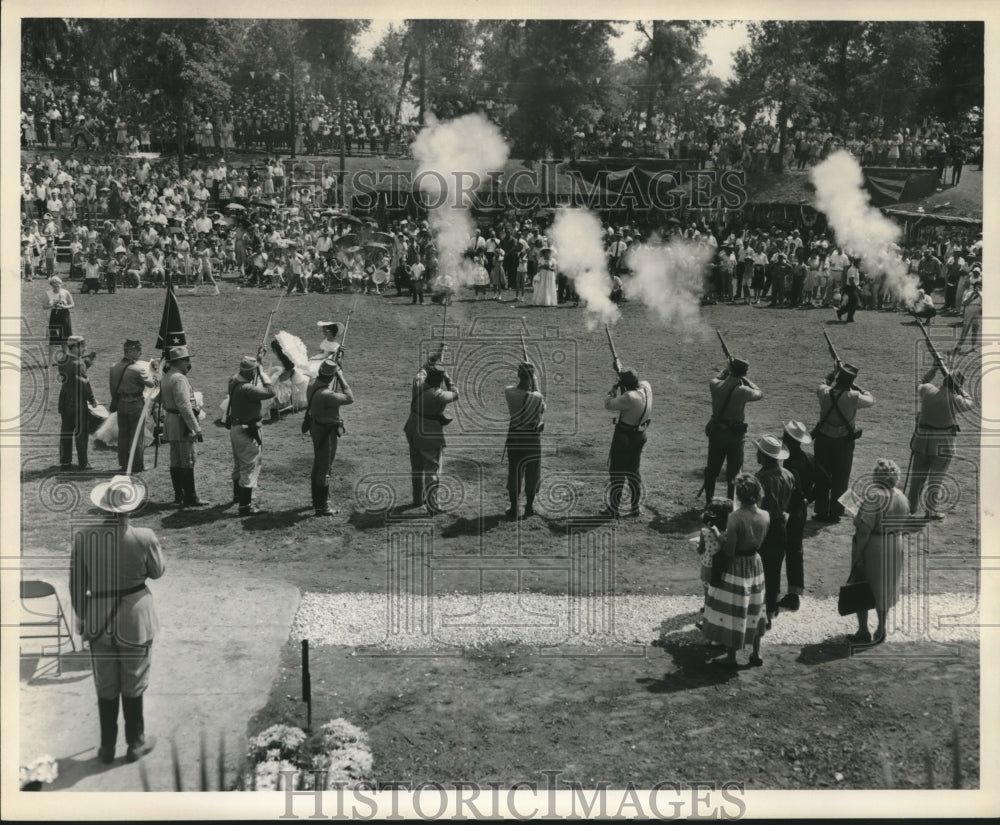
pixel 43 590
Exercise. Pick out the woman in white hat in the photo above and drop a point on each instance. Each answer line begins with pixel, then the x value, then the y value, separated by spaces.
pixel 115 614
pixel 58 302
pixel 779 486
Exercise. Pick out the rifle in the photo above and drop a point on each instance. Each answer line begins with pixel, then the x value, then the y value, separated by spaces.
pixel 836 358
pixel 615 360
pixel 262 349
pixel 934 353
pixel 524 354
pixel 725 349
pixel 343 338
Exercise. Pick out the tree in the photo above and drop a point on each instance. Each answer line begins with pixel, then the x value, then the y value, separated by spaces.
pixel 957 82
pixel 183 65
pixel 671 55
pixel 777 71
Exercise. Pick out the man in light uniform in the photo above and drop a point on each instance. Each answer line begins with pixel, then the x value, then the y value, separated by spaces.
pixel 127 381
pixel 635 405
pixel 243 420
pixel 181 428
pixel 431 393
pixel 731 391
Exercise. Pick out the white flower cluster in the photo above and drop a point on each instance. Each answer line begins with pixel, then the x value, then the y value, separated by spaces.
pixel 43 769
pixel 337 755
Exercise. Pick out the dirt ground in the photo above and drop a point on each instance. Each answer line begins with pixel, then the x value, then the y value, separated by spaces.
pixel 810 714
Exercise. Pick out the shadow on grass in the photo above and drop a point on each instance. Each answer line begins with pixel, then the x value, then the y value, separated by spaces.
pixel 474 526
pixel 685 522
pixel 577 524
pixel 693 669
pixel 276 519
pixel 829 650
pixel 371 519
pixel 194 516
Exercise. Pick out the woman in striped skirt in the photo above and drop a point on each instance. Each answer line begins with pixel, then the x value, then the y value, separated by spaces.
pixel 734 610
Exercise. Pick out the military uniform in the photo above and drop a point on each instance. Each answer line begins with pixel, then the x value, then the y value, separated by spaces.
pixel 115 615
pixel 76 396
pixel 933 443
pixel 835 436
pixel 127 381
pixel 325 426
pixel 727 427
pixel 524 442
pixel 181 428
pixel 424 431
pixel 635 408
pixel 243 419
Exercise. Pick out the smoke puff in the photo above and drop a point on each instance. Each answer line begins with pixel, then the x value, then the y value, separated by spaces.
pixel 861 229
pixel 452 156
pixel 668 278
pixel 577 236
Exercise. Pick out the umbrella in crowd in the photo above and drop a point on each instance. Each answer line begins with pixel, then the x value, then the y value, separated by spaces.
pixel 347 240
pixel 236 207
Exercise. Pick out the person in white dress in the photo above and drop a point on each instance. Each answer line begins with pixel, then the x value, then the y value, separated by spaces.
pixel 545 287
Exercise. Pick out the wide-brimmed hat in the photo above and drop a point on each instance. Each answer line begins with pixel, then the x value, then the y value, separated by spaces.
pixel 798 431
pixel 74 339
pixel 325 324
pixel 177 353
pixel 771 446
pixel 122 494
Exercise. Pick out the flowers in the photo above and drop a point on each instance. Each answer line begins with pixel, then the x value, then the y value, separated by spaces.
pixel 43 769
pixel 337 755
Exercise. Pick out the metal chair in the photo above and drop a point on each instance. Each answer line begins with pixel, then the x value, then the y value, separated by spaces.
pixel 42 590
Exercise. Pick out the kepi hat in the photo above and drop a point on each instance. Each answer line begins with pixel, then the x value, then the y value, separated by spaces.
pixel 328 367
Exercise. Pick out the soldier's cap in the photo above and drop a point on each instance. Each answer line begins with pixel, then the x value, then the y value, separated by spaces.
pixel 132 344
pixel 248 365
pixel 629 379
pixel 177 353
pixel 328 367
pixel 526 368
pixel 849 369
pixel 122 494
pixel 771 446
pixel 738 366
pixel 798 431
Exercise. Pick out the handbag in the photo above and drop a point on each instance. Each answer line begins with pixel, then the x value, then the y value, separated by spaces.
pixel 855 597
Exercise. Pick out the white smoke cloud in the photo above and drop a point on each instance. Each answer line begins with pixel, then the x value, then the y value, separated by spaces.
pixel 452 156
pixel 860 228
pixel 577 236
pixel 668 279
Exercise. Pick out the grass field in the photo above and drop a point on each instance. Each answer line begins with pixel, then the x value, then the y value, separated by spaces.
pixel 503 712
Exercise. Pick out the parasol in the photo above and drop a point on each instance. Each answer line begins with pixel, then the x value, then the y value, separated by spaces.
pixel 236 207
pixel 346 240
pixel 349 219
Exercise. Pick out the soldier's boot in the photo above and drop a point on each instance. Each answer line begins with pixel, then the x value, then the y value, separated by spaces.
pixel 247 507
pixel 236 492
pixel 709 488
pixel 418 489
pixel 107 711
pixel 135 729
pixel 191 499
pixel 176 478
pixel 321 500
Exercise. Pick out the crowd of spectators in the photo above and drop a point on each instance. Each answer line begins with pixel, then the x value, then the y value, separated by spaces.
pixel 139 222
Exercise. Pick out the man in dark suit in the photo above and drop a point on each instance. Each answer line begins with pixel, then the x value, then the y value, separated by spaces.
pixel 76 396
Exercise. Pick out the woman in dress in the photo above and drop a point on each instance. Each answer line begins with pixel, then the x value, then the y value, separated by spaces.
pixel 59 302
pixel 545 289
pixel 877 548
pixel 734 610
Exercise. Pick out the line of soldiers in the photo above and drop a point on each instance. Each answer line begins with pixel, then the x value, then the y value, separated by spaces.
pixel 432 392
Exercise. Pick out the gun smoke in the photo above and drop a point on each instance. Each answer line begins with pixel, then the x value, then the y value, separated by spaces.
pixel 667 278
pixel 861 229
pixel 577 234
pixel 447 152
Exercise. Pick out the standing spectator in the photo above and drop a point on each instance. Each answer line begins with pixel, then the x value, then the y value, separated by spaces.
pixel 778 485
pixel 59 302
pixel 801 465
pixel 734 608
pixel 76 396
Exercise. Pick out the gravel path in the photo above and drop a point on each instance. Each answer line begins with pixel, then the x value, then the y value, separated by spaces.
pixel 363 619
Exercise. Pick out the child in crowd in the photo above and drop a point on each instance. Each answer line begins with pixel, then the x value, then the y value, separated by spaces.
pixel 710 540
